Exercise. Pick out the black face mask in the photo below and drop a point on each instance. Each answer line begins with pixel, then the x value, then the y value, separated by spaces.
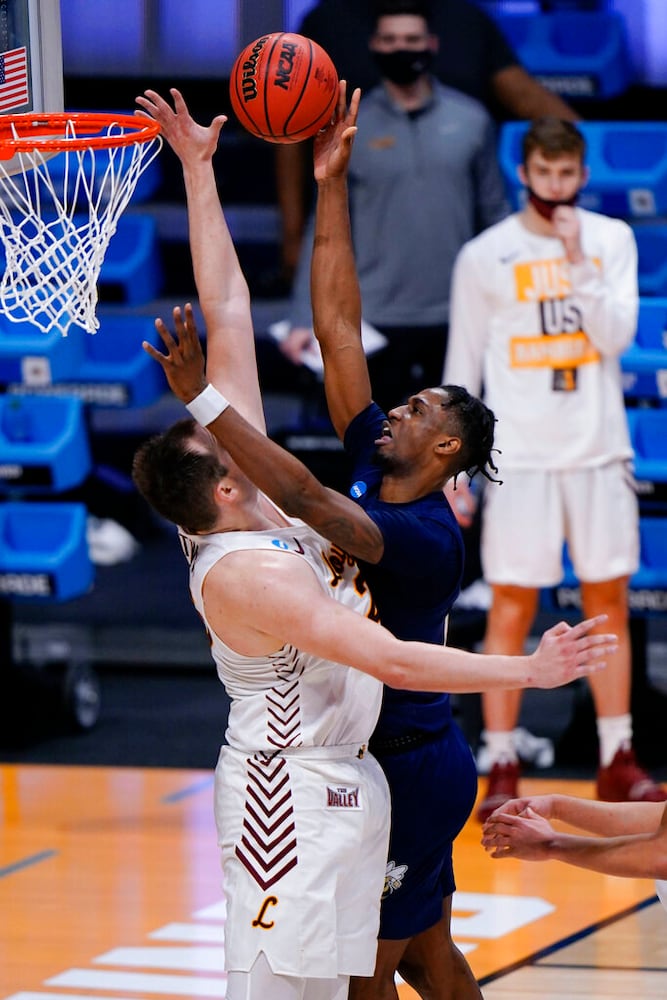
pixel 545 207
pixel 403 66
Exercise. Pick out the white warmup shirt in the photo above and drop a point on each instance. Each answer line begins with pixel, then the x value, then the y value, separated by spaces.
pixel 543 337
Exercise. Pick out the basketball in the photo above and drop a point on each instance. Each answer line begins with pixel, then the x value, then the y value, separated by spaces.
pixel 283 87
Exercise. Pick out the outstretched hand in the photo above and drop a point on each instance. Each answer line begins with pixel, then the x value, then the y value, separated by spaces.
pixel 191 142
pixel 333 144
pixel 183 364
pixel 525 835
pixel 567 652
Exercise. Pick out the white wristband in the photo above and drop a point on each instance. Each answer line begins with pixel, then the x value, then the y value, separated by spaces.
pixel 208 405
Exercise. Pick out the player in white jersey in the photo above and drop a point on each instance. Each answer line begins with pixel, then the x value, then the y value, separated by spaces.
pixel 630 837
pixel 297 732
pixel 301 807
pixel 543 304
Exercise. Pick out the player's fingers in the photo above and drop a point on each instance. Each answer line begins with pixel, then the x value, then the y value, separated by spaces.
pixel 354 106
pixel 190 333
pixel 342 100
pixel 179 325
pixel 152 97
pixel 596 644
pixel 155 354
pixel 583 627
pixel 165 335
pixel 179 102
pixel 349 134
pixel 218 122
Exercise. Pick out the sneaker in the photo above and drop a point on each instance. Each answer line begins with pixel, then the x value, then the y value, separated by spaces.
pixel 532 751
pixel 625 781
pixel 502 786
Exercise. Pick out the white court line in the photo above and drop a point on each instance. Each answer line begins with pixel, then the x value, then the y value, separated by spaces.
pixel 189 986
pixel 189 959
pixel 202 933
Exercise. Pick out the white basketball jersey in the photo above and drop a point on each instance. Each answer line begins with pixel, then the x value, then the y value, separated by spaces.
pixel 290 699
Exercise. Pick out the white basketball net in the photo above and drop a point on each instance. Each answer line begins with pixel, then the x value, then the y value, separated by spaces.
pixel 56 229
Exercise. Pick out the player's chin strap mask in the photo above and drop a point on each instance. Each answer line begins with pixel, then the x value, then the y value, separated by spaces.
pixel 545 207
pixel 403 66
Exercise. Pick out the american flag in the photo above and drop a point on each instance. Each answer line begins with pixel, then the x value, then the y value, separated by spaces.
pixel 13 79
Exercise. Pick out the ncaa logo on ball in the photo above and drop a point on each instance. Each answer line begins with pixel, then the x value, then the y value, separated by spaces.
pixel 285 65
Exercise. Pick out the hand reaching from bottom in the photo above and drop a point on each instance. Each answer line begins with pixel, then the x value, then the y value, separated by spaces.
pixel 183 364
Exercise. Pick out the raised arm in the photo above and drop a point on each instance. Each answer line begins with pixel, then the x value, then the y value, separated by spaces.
pixel 335 291
pixel 221 286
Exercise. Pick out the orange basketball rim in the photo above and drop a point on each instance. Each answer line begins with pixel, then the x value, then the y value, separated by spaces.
pixel 65 179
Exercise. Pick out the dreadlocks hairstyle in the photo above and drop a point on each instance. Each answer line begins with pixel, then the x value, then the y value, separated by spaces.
pixel 177 480
pixel 474 422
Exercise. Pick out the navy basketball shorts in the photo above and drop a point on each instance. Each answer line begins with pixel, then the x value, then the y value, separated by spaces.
pixel 433 790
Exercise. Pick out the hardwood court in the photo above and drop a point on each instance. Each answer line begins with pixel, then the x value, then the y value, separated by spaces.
pixel 110 887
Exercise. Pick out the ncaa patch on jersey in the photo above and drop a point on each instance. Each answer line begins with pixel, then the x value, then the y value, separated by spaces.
pixel 358 489
pixel 344 797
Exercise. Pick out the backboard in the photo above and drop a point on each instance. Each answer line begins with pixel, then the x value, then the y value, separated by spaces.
pixel 31 66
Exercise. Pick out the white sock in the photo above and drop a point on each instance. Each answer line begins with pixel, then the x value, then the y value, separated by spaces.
pixel 501 747
pixel 614 731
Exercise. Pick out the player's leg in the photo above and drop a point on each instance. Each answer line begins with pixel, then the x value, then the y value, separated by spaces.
pixel 261 983
pixel 434 967
pixel 420 873
pixel 521 549
pixel 604 557
pixel 381 986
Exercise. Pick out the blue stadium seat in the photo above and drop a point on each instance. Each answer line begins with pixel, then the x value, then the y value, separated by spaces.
pixel 652 251
pixel 31 357
pixel 116 367
pixel 644 364
pixel 653 569
pixel 648 432
pixel 131 270
pixel 574 53
pixel 43 551
pixel 627 160
pixel 43 444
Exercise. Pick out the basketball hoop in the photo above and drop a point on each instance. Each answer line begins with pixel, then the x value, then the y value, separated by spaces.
pixel 56 222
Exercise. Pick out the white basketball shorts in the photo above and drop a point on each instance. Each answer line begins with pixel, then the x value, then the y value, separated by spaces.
pixel 526 520
pixel 304 840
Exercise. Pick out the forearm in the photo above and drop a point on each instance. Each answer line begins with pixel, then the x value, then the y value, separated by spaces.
pixel 610 310
pixel 291 485
pixel 334 285
pixel 221 286
pixel 613 819
pixel 526 98
pixel 275 471
pixel 336 304
pixel 419 667
pixel 640 856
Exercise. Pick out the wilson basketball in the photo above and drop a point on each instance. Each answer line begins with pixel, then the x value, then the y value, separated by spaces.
pixel 283 87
